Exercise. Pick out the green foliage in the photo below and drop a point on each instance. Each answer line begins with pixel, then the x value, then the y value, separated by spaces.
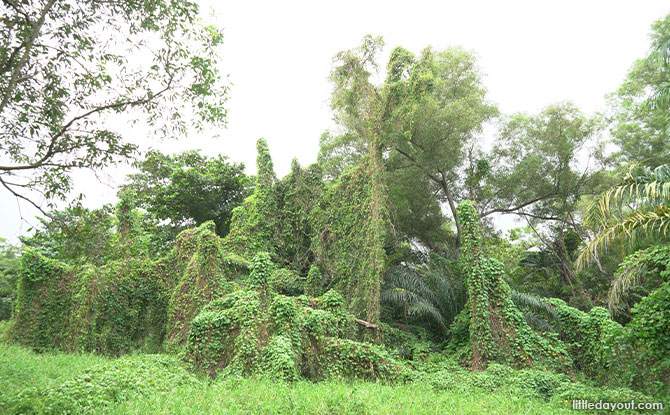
pixel 641 353
pixel 111 309
pixel 187 189
pixel 538 314
pixel 160 385
pixel 429 112
pixel 127 304
pixel 633 356
pixel 314 283
pixel 649 267
pixel 424 292
pixel 640 124
pixel 61 78
pixel 346 246
pixel 9 264
pixel 300 223
pixel 77 235
pixel 42 310
pixel 260 272
pixel 103 386
pixel 415 210
pixel 202 271
pixel 649 325
pixel 546 386
pixel 535 171
pixel 638 206
pixel 286 282
pixel 254 224
pixel 498 331
pixel 279 359
pixel 286 338
pixel 298 193
pixel 586 335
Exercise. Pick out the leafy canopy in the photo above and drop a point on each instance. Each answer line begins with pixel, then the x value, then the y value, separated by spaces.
pixel 188 189
pixel 66 66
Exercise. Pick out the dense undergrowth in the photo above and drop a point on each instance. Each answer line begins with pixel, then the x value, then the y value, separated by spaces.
pixel 56 383
pixel 280 301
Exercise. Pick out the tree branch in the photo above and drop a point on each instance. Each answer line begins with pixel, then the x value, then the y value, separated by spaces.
pixel 54 139
pixel 34 32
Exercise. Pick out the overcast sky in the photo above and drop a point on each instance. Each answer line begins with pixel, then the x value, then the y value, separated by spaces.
pixel 278 56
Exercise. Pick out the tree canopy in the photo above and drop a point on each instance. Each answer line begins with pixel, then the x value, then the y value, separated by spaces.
pixel 187 189
pixel 67 66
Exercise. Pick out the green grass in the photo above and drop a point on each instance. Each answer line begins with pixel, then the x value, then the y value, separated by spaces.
pixel 157 384
pixel 248 396
pixel 22 369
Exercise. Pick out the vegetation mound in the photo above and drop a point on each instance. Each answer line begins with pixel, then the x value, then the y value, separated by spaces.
pixel 254 330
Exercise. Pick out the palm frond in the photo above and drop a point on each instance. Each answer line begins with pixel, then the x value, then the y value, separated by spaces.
pixel 646 187
pixel 425 290
pixel 537 322
pixel 399 296
pixel 438 281
pixel 639 205
pixel 407 277
pixel 532 302
pixel 425 309
pixel 632 226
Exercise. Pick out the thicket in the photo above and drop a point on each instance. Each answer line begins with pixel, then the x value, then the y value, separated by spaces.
pixel 290 291
pixel 58 383
pixel 225 302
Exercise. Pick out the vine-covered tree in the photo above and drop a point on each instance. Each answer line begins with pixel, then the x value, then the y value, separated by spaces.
pixel 65 66
pixel 359 106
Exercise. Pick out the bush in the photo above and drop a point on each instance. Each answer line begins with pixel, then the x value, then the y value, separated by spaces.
pixel 285 338
pixel 103 386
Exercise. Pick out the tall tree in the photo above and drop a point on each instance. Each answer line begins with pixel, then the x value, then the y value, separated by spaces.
pixel 537 170
pixel 433 110
pixel 641 106
pixel 437 107
pixel 360 106
pixel 66 65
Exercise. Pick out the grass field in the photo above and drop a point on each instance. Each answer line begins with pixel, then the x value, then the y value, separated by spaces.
pixel 156 384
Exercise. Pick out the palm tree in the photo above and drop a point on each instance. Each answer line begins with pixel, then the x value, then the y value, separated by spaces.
pixel 433 292
pixel 423 291
pixel 639 206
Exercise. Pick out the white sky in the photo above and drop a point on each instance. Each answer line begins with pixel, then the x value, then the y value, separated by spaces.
pixel 279 54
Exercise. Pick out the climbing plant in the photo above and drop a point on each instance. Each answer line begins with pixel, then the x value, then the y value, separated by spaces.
pixel 349 239
pixel 254 224
pixel 498 331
